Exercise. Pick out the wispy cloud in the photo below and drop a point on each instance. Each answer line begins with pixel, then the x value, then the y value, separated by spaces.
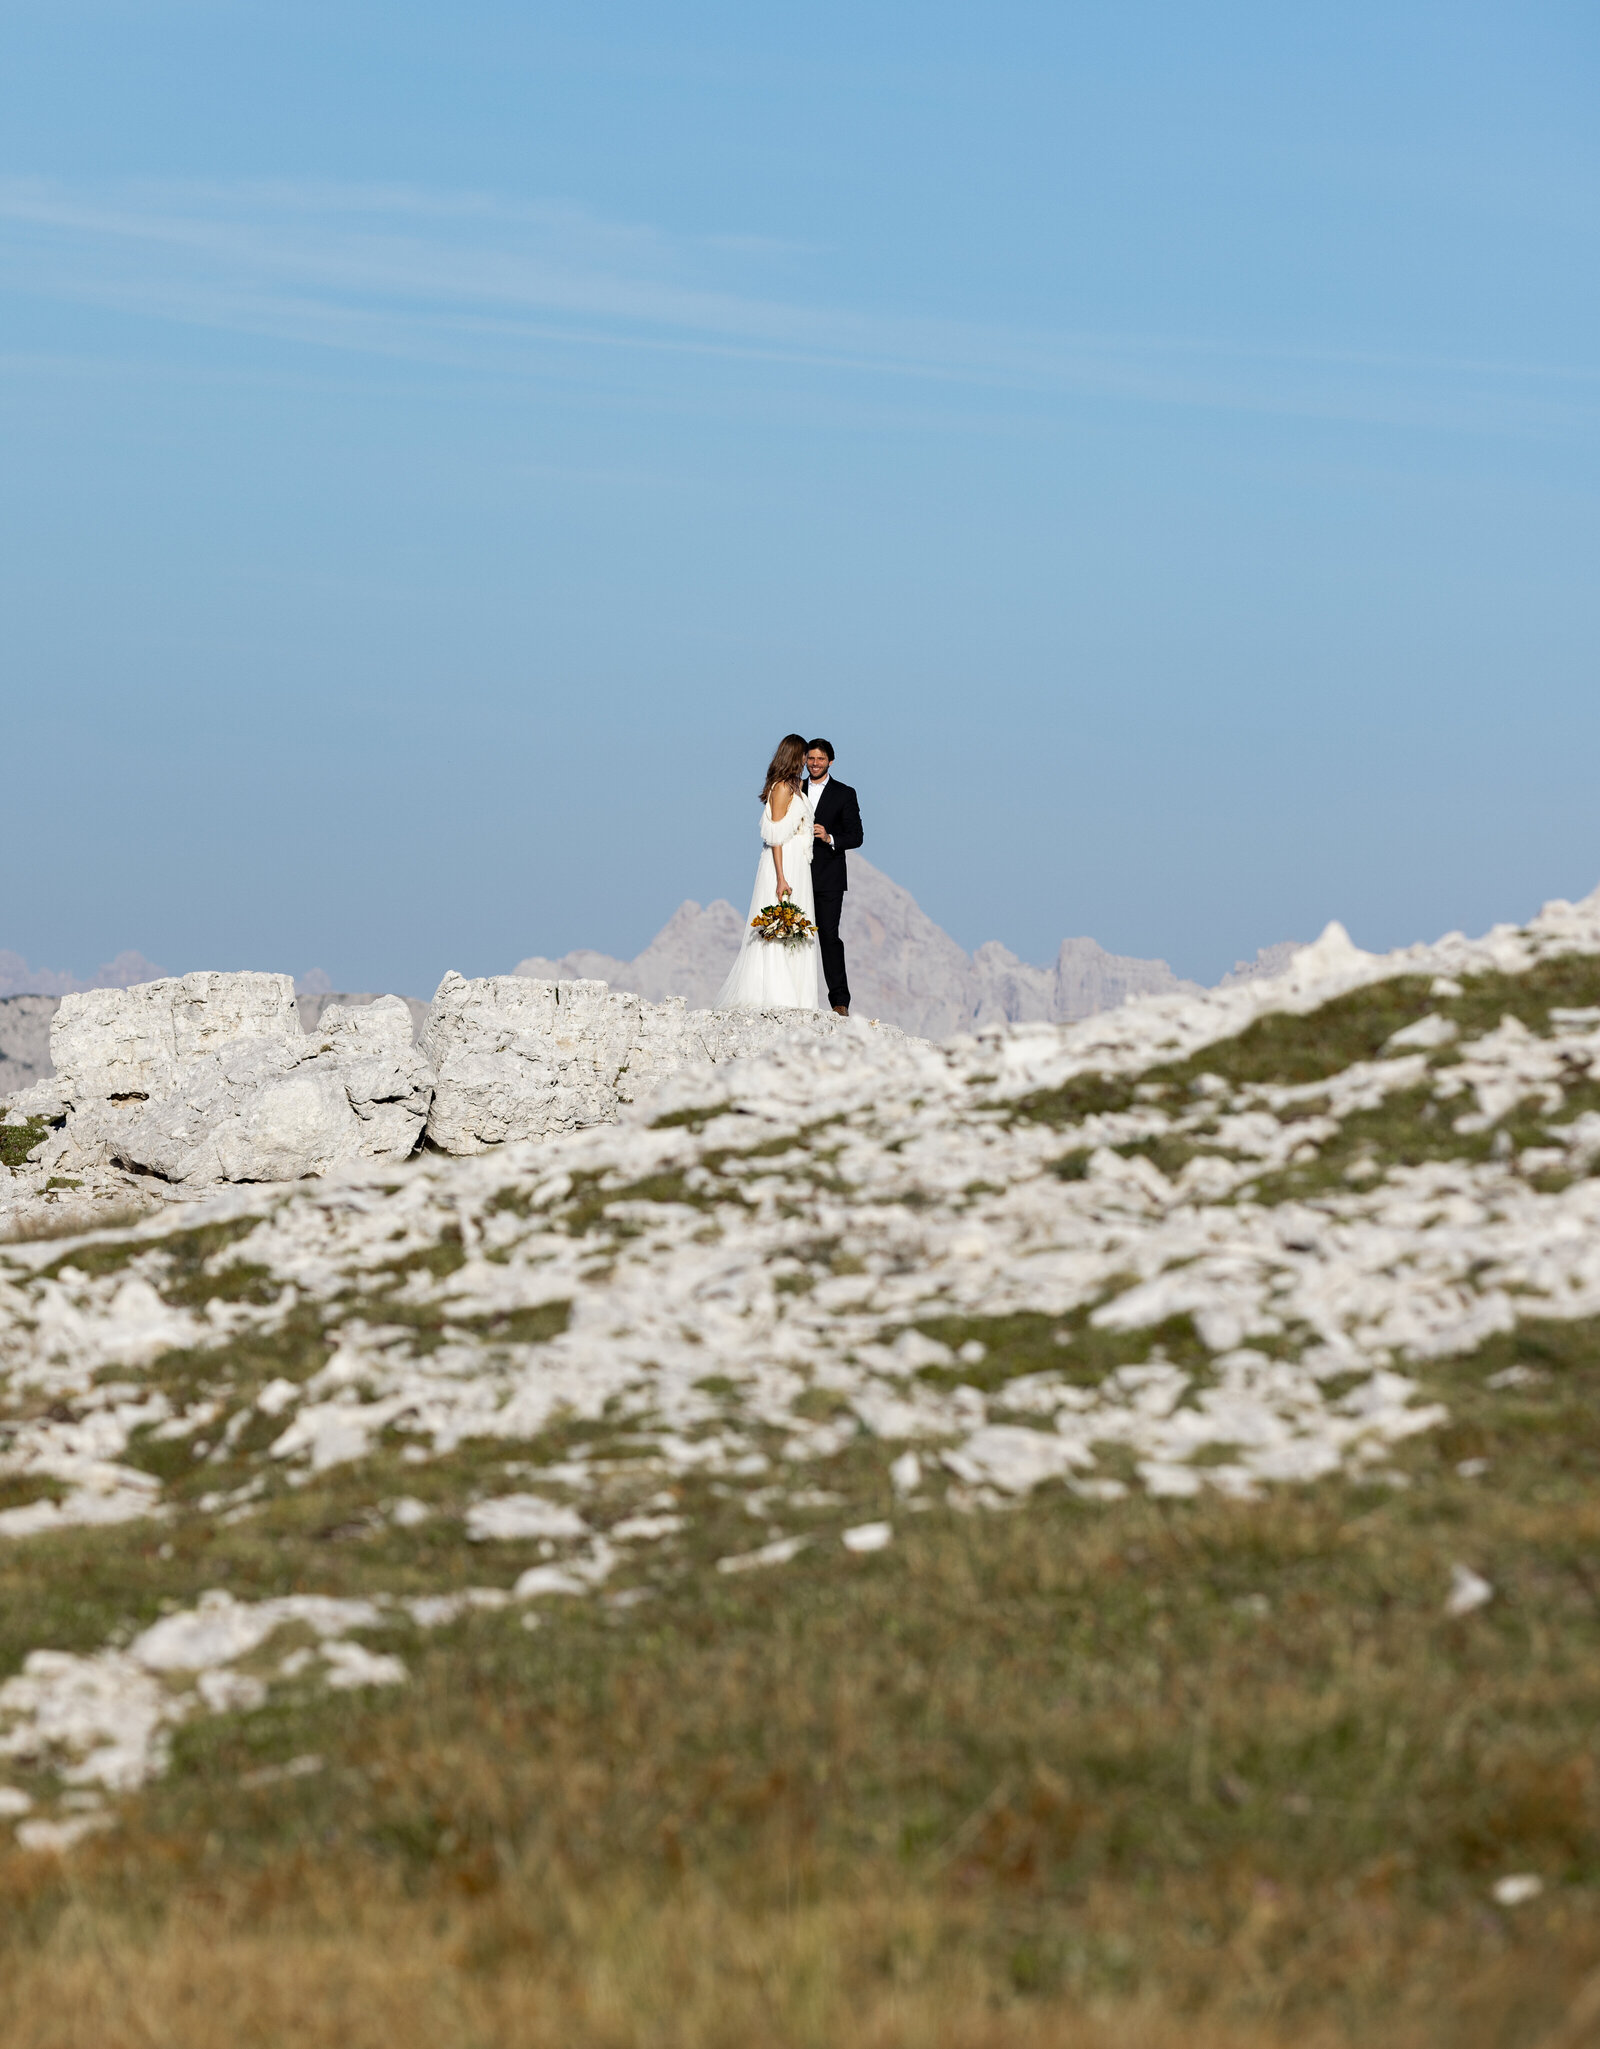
pixel 475 281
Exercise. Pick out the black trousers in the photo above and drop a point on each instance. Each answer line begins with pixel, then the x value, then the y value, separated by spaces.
pixel 828 908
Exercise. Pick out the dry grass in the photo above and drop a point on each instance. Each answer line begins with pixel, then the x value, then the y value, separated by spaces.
pixel 1188 1773
pixel 354 1965
pixel 693 1975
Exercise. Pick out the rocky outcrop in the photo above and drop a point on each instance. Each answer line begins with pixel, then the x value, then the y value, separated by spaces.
pixel 209 1077
pixel 25 1029
pixel 313 1004
pixel 515 1057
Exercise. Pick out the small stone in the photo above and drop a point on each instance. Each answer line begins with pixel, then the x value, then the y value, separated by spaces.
pixel 778 1552
pixel 57 1837
pixel 1468 1591
pixel 905 1474
pixel 1432 1030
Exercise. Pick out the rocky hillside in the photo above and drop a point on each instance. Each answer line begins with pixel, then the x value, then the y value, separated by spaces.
pixel 1272 1315
pixel 165 1090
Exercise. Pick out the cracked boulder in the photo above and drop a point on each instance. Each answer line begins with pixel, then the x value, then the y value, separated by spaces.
pixel 208 1077
pixel 518 1058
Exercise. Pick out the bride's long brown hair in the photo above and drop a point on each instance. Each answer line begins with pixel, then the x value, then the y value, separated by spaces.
pixel 787 764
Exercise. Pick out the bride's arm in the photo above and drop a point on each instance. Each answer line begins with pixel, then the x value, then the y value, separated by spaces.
pixel 780 800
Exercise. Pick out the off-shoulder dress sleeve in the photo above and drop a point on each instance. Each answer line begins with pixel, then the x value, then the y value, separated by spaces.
pixel 779 833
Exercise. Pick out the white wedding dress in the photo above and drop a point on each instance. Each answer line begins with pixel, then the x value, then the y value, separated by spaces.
pixel 767 976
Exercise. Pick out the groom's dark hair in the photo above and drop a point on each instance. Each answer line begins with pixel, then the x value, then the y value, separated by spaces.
pixel 823 746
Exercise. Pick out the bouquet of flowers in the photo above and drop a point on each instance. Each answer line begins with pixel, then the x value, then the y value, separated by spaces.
pixel 783 924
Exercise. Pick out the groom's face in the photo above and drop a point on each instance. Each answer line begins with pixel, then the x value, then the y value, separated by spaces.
pixel 817 764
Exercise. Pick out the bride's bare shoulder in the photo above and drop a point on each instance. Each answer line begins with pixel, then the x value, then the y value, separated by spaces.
pixel 779 798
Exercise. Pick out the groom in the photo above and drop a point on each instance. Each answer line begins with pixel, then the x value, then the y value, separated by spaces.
pixel 837 829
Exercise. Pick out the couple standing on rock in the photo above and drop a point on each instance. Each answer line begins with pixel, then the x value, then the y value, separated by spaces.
pixel 809 821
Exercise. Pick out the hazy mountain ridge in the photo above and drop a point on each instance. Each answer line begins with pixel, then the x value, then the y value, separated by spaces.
pixel 18 979
pixel 903 967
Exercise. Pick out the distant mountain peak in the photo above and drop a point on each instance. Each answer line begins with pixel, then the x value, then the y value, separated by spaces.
pixel 18 979
pixel 903 967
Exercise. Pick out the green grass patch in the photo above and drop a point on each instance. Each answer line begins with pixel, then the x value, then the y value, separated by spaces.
pixel 1407 1129
pixel 445 1256
pixel 717 1161
pixel 1283 1049
pixel 21 1490
pixel 180 1261
pixel 1290 1051
pixel 694 1119
pixel 233 1373
pixel 18 1140
pixel 531 1326
pixel 1294 1050
pixel 588 1201
pixel 1171 1151
pixel 1086 1095
pixel 1070 1345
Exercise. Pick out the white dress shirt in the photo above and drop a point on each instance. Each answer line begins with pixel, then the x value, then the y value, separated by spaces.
pixel 814 792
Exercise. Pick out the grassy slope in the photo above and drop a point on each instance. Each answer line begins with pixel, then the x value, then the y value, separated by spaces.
pixel 1153 1771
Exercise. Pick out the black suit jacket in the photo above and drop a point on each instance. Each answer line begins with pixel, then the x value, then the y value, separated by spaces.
pixel 839 815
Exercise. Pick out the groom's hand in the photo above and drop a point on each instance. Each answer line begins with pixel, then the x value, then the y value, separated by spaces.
pixel 819 832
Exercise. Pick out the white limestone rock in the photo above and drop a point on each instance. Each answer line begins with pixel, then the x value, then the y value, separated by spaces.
pixel 312 1004
pixel 386 1078
pixel 517 1058
pixel 121 1045
pixel 208 1077
pixel 40 1099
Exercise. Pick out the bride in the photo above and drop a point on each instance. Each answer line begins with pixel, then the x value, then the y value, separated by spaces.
pixel 769 976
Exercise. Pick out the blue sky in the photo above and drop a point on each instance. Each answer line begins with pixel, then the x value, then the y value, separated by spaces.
pixel 442 449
